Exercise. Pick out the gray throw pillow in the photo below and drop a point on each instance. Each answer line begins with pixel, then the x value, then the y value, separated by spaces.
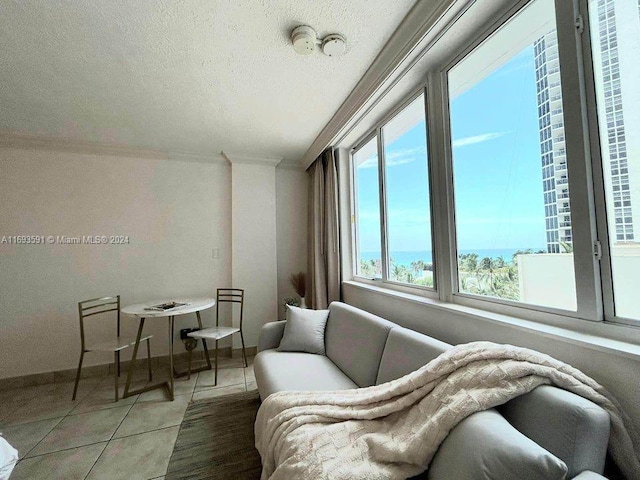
pixel 304 331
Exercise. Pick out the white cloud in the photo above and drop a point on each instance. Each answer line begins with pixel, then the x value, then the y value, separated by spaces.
pixel 399 157
pixel 485 137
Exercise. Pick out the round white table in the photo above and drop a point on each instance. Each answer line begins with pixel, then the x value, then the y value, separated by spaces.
pixel 143 311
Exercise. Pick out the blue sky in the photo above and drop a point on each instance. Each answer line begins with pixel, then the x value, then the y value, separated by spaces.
pixel 497 172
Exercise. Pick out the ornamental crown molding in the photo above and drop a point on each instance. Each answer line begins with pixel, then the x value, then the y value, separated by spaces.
pixel 25 142
pixel 244 158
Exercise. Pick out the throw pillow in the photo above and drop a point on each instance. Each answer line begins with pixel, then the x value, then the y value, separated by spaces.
pixel 304 331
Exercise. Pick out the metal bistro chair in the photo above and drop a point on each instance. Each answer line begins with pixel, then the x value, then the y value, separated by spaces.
pixel 95 306
pixel 223 295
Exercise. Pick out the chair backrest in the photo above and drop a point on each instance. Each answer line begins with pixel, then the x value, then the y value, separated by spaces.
pixel 229 295
pixel 95 306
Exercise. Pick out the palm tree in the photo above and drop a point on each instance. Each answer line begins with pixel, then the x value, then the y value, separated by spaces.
pixel 417 266
pixel 469 262
pixel 567 247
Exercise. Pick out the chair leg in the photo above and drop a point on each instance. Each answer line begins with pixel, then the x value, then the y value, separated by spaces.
pixel 118 363
pixel 215 380
pixel 244 354
pixel 75 388
pixel 149 358
pixel 115 371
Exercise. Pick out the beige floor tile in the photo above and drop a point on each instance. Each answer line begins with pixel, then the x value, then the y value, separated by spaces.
pixel 153 415
pixel 139 457
pixel 103 397
pixel 7 407
pixel 218 391
pixel 25 437
pixel 252 385
pixel 68 464
pixel 181 386
pixel 40 408
pixel 27 393
pixel 249 375
pixel 226 376
pixel 43 402
pixel 40 402
pixel 84 429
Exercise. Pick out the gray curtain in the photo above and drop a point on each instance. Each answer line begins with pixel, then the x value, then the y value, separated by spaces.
pixel 324 239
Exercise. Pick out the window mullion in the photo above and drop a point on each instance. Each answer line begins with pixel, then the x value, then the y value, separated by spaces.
pixel 383 206
pixel 597 166
pixel 584 233
pixel 441 185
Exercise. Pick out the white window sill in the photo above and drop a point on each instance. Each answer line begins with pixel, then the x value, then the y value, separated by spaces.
pixel 600 336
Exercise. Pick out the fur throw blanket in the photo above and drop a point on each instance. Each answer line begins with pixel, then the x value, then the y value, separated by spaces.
pixel 393 430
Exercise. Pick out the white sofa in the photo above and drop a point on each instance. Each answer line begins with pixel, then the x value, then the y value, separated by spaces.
pixel 547 434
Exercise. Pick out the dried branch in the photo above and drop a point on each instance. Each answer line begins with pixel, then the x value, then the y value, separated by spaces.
pixel 299 283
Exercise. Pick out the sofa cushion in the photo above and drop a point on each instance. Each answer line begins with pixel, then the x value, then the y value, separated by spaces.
pixel 354 341
pixel 484 446
pixel 279 371
pixel 573 428
pixel 304 331
pixel 406 351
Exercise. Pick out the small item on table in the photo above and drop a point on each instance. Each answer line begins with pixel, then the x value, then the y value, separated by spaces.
pixel 165 306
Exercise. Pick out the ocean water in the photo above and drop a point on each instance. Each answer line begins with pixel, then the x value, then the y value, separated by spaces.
pixel 405 258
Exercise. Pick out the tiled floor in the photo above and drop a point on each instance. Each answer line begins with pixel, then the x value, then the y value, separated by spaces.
pixel 96 438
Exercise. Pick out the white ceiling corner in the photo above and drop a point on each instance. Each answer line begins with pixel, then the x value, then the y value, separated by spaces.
pixel 177 76
pixel 290 165
pixel 235 157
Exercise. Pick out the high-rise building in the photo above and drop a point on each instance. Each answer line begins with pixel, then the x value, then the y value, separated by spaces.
pixel 616 116
pixel 615 46
pixel 552 147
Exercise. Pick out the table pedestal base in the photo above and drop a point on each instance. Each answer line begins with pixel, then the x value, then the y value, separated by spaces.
pixel 168 384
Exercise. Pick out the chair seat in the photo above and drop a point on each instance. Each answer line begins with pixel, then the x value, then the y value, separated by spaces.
pixel 214 333
pixel 116 344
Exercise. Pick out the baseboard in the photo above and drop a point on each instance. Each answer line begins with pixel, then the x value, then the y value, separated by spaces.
pixel 61 376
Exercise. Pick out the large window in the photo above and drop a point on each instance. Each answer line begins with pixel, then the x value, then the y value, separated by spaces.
pixel 535 165
pixel 394 244
pixel 512 210
pixel 407 195
pixel 615 39
pixel 367 201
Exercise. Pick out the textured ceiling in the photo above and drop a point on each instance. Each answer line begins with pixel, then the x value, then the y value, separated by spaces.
pixel 183 76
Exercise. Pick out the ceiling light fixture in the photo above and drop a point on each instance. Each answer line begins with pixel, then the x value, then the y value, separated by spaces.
pixel 304 40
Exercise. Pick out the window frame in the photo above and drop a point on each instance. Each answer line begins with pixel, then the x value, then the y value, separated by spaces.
pixel 592 260
pixel 377 133
pixel 587 296
pixel 355 230
pixel 600 194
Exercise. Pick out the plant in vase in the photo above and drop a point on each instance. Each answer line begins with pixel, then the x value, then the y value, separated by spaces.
pixel 290 301
pixel 299 285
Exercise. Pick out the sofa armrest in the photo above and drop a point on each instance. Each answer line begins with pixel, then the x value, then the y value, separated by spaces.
pixel 270 335
pixel 573 428
pixel 589 475
pixel 484 446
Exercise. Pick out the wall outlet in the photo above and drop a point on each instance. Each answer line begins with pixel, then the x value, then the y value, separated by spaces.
pixel 215 253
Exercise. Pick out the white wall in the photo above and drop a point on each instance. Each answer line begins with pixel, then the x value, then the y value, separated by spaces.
pixel 254 257
pixel 548 279
pixel 174 212
pixel 619 374
pixel 292 200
